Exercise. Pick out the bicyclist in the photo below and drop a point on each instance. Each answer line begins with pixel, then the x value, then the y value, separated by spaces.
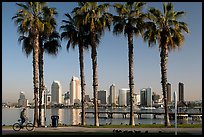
pixel 23 116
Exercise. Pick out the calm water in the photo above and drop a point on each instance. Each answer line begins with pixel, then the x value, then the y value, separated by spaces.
pixel 71 116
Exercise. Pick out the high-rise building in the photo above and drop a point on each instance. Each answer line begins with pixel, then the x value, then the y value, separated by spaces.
pixel 146 97
pixel 75 91
pixel 122 98
pixel 56 93
pixel 128 98
pixel 87 98
pixel 168 92
pixel 136 98
pixel 22 101
pixel 112 97
pixel 181 92
pixel 67 98
pixel 102 97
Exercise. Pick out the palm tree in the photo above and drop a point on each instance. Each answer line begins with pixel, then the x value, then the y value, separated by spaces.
pixel 47 39
pixel 76 35
pixel 29 21
pixel 98 19
pixel 50 46
pixel 167 30
pixel 130 22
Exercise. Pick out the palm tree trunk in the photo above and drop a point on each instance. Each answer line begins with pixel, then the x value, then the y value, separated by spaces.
pixel 35 78
pixel 95 78
pixel 81 60
pixel 131 76
pixel 41 84
pixel 164 58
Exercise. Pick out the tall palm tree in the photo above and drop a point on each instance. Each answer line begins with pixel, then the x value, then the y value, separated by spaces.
pixel 50 46
pixel 48 36
pixel 130 22
pixel 29 21
pixel 76 35
pixel 167 30
pixel 98 19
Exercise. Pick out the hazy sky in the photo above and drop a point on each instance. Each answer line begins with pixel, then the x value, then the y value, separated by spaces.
pixel 184 65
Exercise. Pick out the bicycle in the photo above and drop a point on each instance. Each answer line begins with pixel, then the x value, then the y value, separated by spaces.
pixel 17 126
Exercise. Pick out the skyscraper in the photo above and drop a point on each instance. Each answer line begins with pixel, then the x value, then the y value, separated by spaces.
pixel 112 99
pixel 22 101
pixel 168 92
pixel 122 98
pixel 75 91
pixel 128 98
pixel 56 93
pixel 181 92
pixel 146 97
pixel 102 96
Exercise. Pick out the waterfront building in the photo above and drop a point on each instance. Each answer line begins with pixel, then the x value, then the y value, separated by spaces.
pixel 157 100
pixel 128 98
pixel 181 92
pixel 112 97
pixel 146 97
pixel 49 99
pixel 168 93
pixel 102 97
pixel 22 101
pixel 56 91
pixel 67 98
pixel 75 91
pixel 87 98
pixel 136 98
pixel 122 97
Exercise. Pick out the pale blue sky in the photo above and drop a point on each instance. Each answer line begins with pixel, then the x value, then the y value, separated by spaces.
pixel 183 66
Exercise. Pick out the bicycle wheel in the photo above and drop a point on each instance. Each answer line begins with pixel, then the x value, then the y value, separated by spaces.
pixel 16 127
pixel 30 126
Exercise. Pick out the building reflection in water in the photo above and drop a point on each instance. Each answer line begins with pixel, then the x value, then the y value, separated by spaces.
pixel 60 113
pixel 75 116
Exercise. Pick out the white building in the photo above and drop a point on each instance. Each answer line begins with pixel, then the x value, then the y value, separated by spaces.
pixel 123 96
pixel 112 97
pixel 75 91
pixel 136 99
pixel 56 93
pixel 22 101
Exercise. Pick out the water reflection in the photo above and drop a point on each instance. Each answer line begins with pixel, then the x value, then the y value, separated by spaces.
pixel 75 116
pixel 60 113
pixel 70 116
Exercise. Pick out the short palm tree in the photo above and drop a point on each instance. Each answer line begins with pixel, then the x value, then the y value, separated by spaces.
pixel 129 21
pixel 29 21
pixel 167 30
pixel 98 19
pixel 77 35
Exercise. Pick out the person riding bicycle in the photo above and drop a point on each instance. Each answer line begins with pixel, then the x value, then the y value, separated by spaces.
pixel 23 116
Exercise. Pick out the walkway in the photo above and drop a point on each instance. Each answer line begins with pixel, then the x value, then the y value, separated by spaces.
pixel 193 131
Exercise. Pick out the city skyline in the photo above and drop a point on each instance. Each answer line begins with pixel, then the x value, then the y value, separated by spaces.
pixel 184 65
pixel 107 92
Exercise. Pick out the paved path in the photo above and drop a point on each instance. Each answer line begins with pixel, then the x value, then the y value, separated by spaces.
pixel 193 131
